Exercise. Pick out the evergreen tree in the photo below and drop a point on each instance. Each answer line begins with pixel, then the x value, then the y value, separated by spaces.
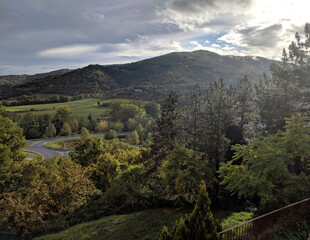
pixel 246 107
pixel 167 129
pixel 194 118
pixel 286 92
pixel 219 113
pixel 199 225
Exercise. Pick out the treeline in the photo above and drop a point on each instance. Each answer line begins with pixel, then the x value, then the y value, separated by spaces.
pixel 32 100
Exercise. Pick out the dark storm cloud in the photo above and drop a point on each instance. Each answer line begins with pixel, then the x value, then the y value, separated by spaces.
pixel 261 37
pixel 195 6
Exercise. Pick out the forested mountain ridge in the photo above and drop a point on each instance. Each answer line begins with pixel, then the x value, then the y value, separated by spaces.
pixel 7 81
pixel 147 79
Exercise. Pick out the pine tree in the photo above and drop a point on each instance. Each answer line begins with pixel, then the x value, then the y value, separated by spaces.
pixel 167 129
pixel 199 225
pixel 219 113
pixel 194 118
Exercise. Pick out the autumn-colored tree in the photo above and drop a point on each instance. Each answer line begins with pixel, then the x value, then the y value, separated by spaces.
pixel 102 126
pixel 66 129
pixel 85 134
pixel 131 124
pixel 11 143
pixel 41 190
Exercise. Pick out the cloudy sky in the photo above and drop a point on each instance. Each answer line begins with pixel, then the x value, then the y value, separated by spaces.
pixel 44 35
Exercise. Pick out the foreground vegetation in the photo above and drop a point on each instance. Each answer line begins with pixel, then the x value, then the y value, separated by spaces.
pixel 139 225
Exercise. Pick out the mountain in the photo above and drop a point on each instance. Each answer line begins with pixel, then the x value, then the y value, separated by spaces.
pixel 8 81
pixel 148 79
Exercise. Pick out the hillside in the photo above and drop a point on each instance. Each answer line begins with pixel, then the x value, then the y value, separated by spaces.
pixel 147 79
pixel 11 80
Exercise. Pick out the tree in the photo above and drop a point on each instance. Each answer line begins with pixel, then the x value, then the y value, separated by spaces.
pixel 219 114
pixel 286 91
pixel 61 116
pixel 182 172
pixel 194 121
pixel 3 112
pixel 84 135
pixel 65 129
pixel 141 133
pixel 102 126
pixel 275 101
pixel 199 225
pixel 110 135
pixel 274 168
pixel 41 190
pixel 50 131
pixel 131 124
pixel 167 129
pixel 133 138
pixel 246 106
pixel 152 109
pixel 11 143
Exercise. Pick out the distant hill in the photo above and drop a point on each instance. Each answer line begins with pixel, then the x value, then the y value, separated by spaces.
pixel 148 79
pixel 10 80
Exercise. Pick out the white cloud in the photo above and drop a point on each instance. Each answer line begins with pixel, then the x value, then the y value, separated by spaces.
pixel 69 51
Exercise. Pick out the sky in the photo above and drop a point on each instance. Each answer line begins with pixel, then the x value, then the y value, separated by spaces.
pixel 45 35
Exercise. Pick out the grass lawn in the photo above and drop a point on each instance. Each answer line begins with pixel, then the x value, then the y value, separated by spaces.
pixel 141 225
pixel 32 155
pixel 81 108
pixel 144 225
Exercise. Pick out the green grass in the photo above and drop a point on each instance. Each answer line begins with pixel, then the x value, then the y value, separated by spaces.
pixel 144 225
pixel 81 108
pixel 236 218
pixel 62 145
pixel 32 154
pixel 141 225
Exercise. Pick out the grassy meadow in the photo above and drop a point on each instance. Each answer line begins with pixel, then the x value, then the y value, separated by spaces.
pixel 81 108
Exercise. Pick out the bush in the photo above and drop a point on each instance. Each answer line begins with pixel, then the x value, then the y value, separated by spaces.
pixel 128 191
pixel 110 135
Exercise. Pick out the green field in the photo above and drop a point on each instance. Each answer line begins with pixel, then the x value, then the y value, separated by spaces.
pixel 81 108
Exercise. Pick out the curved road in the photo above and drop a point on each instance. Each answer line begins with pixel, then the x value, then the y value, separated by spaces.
pixel 38 144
